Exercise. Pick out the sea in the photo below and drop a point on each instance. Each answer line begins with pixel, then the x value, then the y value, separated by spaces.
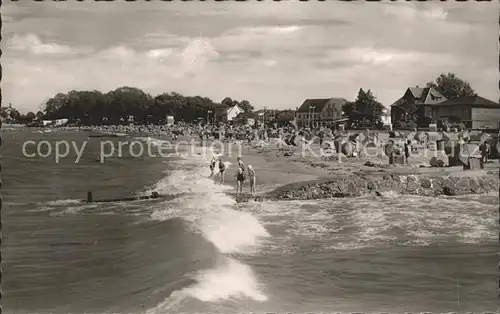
pixel 198 251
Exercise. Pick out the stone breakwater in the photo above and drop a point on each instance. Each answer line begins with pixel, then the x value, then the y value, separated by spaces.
pixel 355 185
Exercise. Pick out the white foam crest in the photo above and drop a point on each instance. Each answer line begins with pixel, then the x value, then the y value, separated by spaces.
pixel 368 221
pixel 63 202
pixel 231 280
pixel 208 208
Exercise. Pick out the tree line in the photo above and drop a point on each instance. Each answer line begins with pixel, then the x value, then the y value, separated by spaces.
pixel 114 107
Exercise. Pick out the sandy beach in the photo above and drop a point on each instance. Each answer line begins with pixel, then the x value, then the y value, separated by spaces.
pixel 275 170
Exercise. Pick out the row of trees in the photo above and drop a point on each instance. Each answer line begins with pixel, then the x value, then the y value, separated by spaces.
pixel 12 115
pixel 94 107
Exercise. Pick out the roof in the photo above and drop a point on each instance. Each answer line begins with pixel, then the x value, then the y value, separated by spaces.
pixel 319 103
pixel 473 101
pixel 225 108
pixel 426 96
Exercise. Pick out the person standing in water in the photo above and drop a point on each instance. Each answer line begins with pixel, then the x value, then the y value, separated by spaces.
pixel 222 170
pixel 251 177
pixel 241 164
pixel 240 178
pixel 213 163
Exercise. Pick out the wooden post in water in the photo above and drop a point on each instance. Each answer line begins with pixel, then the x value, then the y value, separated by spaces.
pixel 89 197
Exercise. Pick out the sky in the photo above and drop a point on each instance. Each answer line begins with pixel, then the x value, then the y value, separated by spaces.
pixel 273 54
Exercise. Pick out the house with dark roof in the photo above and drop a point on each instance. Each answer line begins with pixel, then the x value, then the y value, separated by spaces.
pixel 474 111
pixel 319 112
pixel 6 112
pixel 422 99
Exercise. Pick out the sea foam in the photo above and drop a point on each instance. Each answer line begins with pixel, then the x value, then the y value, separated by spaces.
pixel 209 210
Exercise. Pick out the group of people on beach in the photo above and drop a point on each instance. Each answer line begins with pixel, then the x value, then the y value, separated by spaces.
pixel 240 173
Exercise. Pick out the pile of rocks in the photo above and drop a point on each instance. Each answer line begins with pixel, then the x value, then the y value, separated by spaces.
pixel 403 184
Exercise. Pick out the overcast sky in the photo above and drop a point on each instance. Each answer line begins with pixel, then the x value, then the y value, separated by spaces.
pixel 273 54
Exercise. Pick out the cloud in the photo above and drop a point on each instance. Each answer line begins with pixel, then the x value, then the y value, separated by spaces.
pixel 274 54
pixel 196 55
pixel 437 13
pixel 269 63
pixel 160 54
pixel 413 12
pixel 33 44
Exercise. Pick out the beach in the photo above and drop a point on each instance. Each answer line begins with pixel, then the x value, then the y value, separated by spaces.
pixel 200 251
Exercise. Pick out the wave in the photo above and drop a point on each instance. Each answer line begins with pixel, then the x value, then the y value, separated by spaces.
pixel 63 202
pixel 231 280
pixel 211 212
pixel 369 221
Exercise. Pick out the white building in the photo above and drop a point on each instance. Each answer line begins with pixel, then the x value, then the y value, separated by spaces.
pixel 386 117
pixel 233 111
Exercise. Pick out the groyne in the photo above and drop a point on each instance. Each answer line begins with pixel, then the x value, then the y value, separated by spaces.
pixel 358 185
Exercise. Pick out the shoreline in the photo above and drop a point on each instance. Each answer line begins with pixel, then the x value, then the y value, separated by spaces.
pixel 302 178
pixel 294 176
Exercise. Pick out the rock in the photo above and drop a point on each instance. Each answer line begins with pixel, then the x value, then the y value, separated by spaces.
pixel 449 191
pixel 463 185
pixel 427 192
pixel 371 185
pixel 449 187
pixel 411 185
pixel 404 184
pixel 353 189
pixel 426 183
pixel 475 187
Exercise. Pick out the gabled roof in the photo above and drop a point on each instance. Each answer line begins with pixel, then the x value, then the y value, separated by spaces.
pixel 431 96
pixel 224 109
pixel 416 91
pixel 319 103
pixel 233 107
pixel 426 96
pixel 473 101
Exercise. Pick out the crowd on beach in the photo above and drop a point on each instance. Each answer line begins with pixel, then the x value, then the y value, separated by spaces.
pixel 335 141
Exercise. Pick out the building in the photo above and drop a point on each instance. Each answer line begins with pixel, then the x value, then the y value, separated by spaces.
pixel 232 112
pixel 422 99
pixel 6 112
pixel 474 111
pixel 224 113
pixel 319 112
pixel 266 115
pixel 386 116
pixel 170 120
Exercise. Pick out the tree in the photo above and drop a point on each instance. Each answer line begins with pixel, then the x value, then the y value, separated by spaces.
pixel 284 117
pixel 30 116
pixel 227 101
pixel 39 115
pixel 246 106
pixel 243 117
pixel 348 108
pixel 125 101
pixel 368 106
pixel 452 87
pixel 91 107
pixel 365 110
